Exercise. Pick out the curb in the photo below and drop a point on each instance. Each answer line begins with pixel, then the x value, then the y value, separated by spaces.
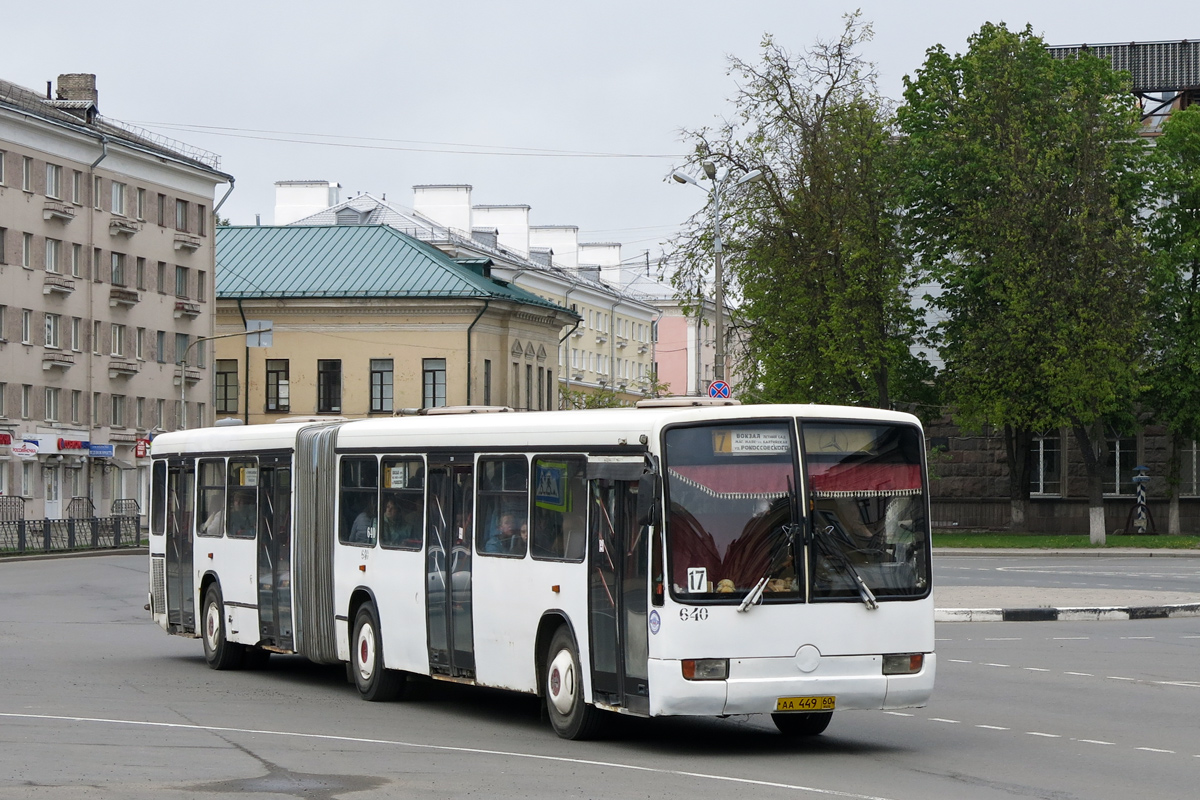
pixel 1065 614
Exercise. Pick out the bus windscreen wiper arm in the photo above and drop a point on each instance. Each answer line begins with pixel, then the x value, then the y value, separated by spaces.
pixel 831 551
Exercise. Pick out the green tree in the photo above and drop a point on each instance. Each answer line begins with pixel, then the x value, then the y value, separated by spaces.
pixel 815 266
pixel 1174 332
pixel 1023 182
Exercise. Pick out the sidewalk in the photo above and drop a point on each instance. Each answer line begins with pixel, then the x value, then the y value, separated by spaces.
pixel 1029 604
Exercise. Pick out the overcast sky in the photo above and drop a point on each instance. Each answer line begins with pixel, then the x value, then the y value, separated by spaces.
pixel 392 90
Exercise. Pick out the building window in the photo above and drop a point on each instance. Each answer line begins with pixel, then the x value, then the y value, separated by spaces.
pixel 118 411
pixel 162 210
pixel 27 173
pixel 3 392
pixel 201 220
pixel 181 347
pixel 76 334
pixel 201 275
pixel 26 326
pixel 52 395
pixel 118 269
pixel 1045 468
pixel 227 386
pixel 52 331
pixel 162 277
pixel 433 371
pixel 26 394
pixel 529 387
pixel 53 248
pixel 27 479
pixel 541 392
pixel 3 249
pixel 141 273
pixel 1122 458
pixel 139 344
pixel 96 337
pixel 381 384
pixel 2 157
pixel 141 204
pixel 140 412
pixel 277 385
pixel 77 187
pixel 181 281
pixel 487 381
pixel 118 198
pixel 118 339
pixel 76 260
pixel 160 347
pixel 54 181
pixel 181 215
pixel 27 250
pixel 329 385
pixel 549 389
pixel 96 265
pixel 97 186
pixel 76 399
pixel 160 414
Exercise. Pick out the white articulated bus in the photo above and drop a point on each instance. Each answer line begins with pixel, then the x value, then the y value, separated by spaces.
pixel 678 558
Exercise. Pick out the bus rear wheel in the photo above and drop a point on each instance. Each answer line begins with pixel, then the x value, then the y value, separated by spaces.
pixel 219 652
pixel 374 682
pixel 571 717
pixel 793 724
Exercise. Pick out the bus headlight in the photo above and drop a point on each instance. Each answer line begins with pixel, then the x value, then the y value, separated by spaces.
pixel 705 669
pixel 903 663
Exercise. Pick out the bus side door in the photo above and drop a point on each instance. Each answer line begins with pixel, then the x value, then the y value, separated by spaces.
pixel 448 551
pixel 180 576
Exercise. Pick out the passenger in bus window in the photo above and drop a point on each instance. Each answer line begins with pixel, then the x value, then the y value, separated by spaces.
pixel 398 528
pixel 363 529
pixel 241 516
pixel 509 536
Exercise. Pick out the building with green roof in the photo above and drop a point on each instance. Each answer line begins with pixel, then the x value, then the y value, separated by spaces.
pixel 367 320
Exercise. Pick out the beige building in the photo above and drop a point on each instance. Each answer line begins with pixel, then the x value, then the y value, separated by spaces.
pixel 107 262
pixel 365 320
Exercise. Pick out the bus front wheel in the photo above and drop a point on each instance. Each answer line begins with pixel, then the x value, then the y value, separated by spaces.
pixel 219 652
pixel 374 682
pixel 571 717
pixel 794 724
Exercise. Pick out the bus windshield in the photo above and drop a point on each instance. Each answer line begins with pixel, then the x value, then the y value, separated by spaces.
pixel 730 489
pixel 734 511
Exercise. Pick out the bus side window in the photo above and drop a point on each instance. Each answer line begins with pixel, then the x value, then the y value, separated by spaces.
pixel 559 530
pixel 358 515
pixel 241 499
pixel 402 498
pixel 502 524
pixel 212 498
pixel 158 484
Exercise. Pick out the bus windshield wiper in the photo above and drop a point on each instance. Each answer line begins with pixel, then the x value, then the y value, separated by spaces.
pixel 820 536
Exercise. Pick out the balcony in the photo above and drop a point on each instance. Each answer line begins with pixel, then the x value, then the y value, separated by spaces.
pixel 622 343
pixel 122 437
pixel 121 367
pixel 601 338
pixel 186 308
pixel 184 241
pixel 122 297
pixel 57 283
pixel 52 359
pixel 193 375
pixel 118 226
pixel 643 348
pixel 577 333
pixel 59 211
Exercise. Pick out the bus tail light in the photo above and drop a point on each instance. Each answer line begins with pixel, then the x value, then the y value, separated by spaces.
pixel 903 663
pixel 705 669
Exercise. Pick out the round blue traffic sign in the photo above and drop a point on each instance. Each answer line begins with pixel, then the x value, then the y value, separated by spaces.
pixel 719 390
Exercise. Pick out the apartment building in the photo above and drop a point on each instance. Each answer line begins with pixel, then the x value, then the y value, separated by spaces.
pixel 107 264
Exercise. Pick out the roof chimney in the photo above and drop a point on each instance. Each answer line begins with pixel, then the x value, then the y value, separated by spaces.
pixel 78 86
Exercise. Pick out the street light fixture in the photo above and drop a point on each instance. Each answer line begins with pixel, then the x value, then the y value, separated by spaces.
pixel 183 370
pixel 719 178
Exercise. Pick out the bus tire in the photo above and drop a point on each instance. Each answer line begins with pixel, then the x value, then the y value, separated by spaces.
pixel 219 652
pixel 374 682
pixel 793 724
pixel 570 716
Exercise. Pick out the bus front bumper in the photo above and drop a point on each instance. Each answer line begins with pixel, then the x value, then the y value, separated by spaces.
pixel 755 686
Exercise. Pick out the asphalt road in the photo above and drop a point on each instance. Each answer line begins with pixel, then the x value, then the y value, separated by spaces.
pixel 97 702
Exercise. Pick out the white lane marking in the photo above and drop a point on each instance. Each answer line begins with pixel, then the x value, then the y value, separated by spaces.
pixel 959 661
pixel 1046 735
pixel 1070 638
pixel 897 713
pixel 1035 669
pixel 996 665
pixel 1119 678
pixel 993 728
pixel 447 748
pixel 1002 639
pixel 1156 750
pixel 1092 741
pixel 1080 674
pixel 1190 637
pixel 1185 684
pixel 1136 637
pixel 939 719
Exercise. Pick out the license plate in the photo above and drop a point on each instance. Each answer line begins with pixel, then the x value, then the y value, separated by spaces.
pixel 814 703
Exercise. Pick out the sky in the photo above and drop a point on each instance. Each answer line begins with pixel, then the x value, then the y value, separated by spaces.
pixel 574 109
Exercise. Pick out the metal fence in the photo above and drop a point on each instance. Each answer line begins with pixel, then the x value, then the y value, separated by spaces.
pixel 79 531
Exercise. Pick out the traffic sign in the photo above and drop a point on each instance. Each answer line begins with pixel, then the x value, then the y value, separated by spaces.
pixel 719 390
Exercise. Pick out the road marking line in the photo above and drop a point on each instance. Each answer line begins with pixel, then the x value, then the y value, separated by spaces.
pixel 1119 678
pixel 959 661
pixel 996 665
pixel 1070 638
pixel 447 748
pixel 1092 741
pixel 940 719
pixel 1156 750
pixel 1046 735
pixel 1003 639
pixel 993 728
pixel 1035 669
pixel 897 713
pixel 1080 674
pixel 1137 637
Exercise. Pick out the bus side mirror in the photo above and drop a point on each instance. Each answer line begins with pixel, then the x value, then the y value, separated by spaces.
pixel 649 493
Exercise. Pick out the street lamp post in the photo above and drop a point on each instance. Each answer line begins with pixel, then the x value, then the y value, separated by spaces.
pixel 183 370
pixel 718 177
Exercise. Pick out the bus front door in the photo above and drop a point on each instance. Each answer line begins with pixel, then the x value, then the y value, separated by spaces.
pixel 181 581
pixel 618 590
pixel 448 566
pixel 274 551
